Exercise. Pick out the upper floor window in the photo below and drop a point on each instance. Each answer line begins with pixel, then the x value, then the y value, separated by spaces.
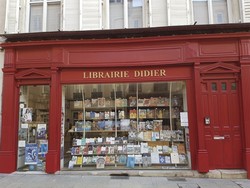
pixel 126 13
pixel 45 15
pixel 211 11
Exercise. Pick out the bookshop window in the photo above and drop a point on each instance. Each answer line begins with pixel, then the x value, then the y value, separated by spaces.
pixel 124 126
pixel 33 127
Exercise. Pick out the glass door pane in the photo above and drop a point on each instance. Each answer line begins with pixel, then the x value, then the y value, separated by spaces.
pixel 33 127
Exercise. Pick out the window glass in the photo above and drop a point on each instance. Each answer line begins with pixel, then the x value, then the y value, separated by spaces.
pixel 233 86
pixel 116 14
pixel 214 86
pixel 53 18
pixel 220 11
pixel 135 17
pixel 124 126
pixel 200 9
pixel 33 128
pixel 36 17
pixel 223 86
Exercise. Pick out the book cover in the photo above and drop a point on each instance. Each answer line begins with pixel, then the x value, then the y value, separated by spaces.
pixel 118 102
pixel 146 102
pixel 162 101
pixel 144 147
pixel 94 102
pixel 159 113
pixel 140 102
pixel 147 136
pixel 107 161
pixel 155 158
pixel 165 149
pixel 181 148
pixel 138 159
pixel 71 164
pixel 78 104
pixel 159 149
pixel 80 115
pixel 31 154
pixel 124 102
pixel 150 113
pixel 146 161
pixel 112 159
pixel 142 113
pixel 79 160
pixel 175 158
pixel 131 161
pixel 182 159
pixel 174 148
pixel 130 149
pixel 121 114
pixel 106 114
pixel 26 115
pixel 108 103
pixel 142 126
pixel 153 101
pixel 101 102
pixel 167 160
pixel 42 146
pixel 109 125
pixel 157 125
pixel 137 149
pixel 122 159
pixel 162 159
pixel 41 131
pixel 125 124
pixel 132 114
pixel 132 101
pixel 87 103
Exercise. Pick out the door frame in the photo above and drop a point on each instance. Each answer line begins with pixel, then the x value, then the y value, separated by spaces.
pixel 220 71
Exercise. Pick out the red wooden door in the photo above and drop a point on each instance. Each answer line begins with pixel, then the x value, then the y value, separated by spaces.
pixel 220 100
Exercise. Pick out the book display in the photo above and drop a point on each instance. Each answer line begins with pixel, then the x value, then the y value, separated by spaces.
pixel 128 129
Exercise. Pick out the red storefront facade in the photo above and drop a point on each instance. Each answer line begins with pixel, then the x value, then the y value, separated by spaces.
pixel 213 61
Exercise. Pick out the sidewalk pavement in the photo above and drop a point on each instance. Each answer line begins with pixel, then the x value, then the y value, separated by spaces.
pixel 59 180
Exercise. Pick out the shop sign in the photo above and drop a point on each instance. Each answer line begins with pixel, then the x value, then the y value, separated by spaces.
pixel 124 74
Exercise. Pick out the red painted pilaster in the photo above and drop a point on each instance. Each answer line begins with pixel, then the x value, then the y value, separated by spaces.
pixel 53 155
pixel 245 87
pixel 202 155
pixel 8 148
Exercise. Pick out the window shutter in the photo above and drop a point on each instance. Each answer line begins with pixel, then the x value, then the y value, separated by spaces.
pixel 246 11
pixel 179 12
pixel 12 16
pixel 72 15
pixel 159 13
pixel 91 15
